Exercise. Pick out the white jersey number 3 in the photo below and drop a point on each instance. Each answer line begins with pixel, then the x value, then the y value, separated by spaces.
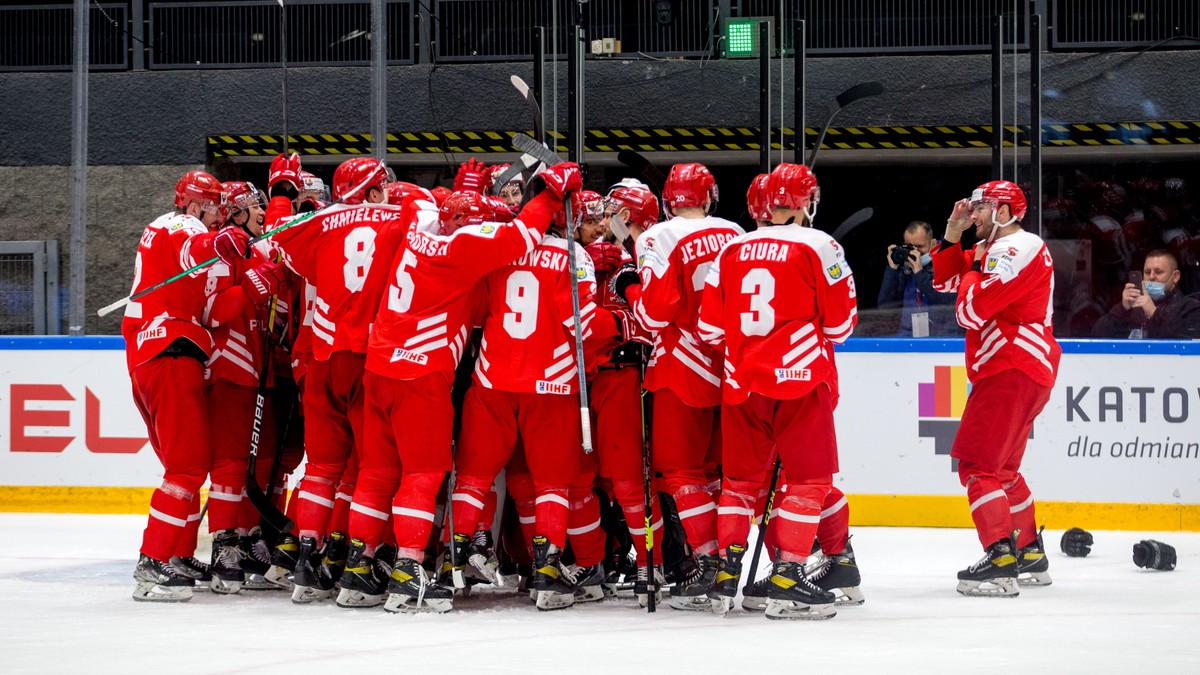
pixel 759 284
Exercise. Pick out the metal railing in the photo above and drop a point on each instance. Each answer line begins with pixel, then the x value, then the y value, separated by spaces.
pixel 39 37
pixel 247 34
pixel 1098 24
pixel 29 297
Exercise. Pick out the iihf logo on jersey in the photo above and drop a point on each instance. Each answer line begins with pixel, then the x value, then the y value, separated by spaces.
pixel 940 406
pixel 544 387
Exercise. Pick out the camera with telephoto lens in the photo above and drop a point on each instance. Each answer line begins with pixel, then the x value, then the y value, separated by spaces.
pixel 900 256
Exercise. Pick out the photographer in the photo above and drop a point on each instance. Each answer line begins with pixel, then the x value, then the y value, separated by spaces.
pixel 1152 306
pixel 908 284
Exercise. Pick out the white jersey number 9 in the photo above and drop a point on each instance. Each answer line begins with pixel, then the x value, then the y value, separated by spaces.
pixel 759 284
pixel 359 248
pixel 521 296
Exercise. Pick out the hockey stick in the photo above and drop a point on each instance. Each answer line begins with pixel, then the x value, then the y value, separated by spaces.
pixel 109 309
pixel 277 460
pixel 539 132
pixel 549 158
pixel 856 93
pixel 523 164
pixel 857 218
pixel 762 530
pixel 647 501
pixel 639 163
pixel 271 515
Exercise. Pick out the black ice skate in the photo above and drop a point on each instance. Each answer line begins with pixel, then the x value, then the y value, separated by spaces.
pixel 551 586
pixel 411 591
pixel 588 582
pixel 226 566
pixel 194 570
pixel 333 561
pixel 791 595
pixel 691 594
pixel 994 575
pixel 1033 567
pixel 754 596
pixel 365 579
pixel 284 556
pixel 310 584
pixel 839 575
pixel 159 581
pixel 256 562
pixel 483 565
pixel 729 573
pixel 642 587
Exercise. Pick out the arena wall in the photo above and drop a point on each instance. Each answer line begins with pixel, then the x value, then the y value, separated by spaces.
pixel 1117 447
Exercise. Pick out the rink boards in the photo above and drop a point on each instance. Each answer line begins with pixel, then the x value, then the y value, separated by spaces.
pixel 1117 447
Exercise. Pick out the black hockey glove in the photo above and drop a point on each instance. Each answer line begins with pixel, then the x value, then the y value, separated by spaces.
pixel 1076 543
pixel 1154 555
pixel 625 277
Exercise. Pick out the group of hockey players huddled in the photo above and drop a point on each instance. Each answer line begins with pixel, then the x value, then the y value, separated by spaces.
pixel 415 345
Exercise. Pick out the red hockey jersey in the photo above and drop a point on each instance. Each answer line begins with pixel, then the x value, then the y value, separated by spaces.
pixel 780 298
pixel 175 310
pixel 345 252
pixel 238 325
pixel 528 343
pixel 1007 308
pixel 673 260
pixel 434 296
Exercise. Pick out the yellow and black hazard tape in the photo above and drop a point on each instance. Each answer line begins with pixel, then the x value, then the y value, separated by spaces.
pixel 716 139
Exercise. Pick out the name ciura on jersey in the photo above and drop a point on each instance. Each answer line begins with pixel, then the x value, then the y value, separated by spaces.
pixel 764 251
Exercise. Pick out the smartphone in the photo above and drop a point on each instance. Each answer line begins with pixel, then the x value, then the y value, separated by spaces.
pixel 1135 278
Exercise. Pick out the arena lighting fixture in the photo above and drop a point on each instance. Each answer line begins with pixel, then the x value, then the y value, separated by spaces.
pixel 256 37
pixel 741 37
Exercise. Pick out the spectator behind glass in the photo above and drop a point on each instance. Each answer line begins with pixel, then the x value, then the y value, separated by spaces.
pixel 1152 305
pixel 909 286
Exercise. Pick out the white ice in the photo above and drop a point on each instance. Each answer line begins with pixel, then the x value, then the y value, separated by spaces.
pixel 65 606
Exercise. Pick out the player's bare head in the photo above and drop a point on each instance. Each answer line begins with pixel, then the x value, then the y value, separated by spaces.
pixel 793 194
pixel 690 191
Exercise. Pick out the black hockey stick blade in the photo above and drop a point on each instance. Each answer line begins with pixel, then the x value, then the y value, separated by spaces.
pixel 639 163
pixel 524 163
pixel 536 150
pixel 520 85
pixel 857 218
pixel 856 93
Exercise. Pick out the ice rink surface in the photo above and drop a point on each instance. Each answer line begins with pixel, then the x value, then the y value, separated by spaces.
pixel 65 606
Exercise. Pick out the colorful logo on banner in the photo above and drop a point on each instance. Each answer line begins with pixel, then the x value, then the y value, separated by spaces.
pixel 940 406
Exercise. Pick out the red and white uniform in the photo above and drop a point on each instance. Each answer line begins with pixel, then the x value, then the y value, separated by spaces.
pixel 345 252
pixel 1012 363
pixel 683 372
pixel 780 298
pixel 526 384
pixel 420 334
pixel 169 390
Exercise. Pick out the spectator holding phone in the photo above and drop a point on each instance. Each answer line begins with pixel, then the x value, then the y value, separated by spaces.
pixel 1152 305
pixel 908 284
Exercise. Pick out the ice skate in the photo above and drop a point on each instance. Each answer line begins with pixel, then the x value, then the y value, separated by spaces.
pixel 588 583
pixel 691 594
pixel 411 591
pixel 726 585
pixel 310 585
pixel 226 566
pixel 642 587
pixel 194 570
pixel 333 560
pixel 551 586
pixel 994 575
pixel 482 564
pixel 283 562
pixel 839 575
pixel 792 595
pixel 754 596
pixel 365 579
pixel 256 562
pixel 1033 567
pixel 159 581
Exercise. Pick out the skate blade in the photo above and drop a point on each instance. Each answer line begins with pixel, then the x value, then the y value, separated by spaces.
pixel 753 604
pixel 482 570
pixel 1003 587
pixel 1035 579
pixel 690 603
pixel 281 577
pixel 303 595
pixel 398 603
pixel 721 605
pixel 548 601
pixel 258 582
pixel 849 596
pixel 644 599
pixel 590 593
pixel 791 610
pixel 223 587
pixel 351 599
pixel 148 591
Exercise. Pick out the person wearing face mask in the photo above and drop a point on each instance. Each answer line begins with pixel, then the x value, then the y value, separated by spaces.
pixel 1154 308
pixel 908 285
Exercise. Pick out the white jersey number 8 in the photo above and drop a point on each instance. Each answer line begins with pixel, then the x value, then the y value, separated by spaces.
pixel 359 248
pixel 521 295
pixel 759 284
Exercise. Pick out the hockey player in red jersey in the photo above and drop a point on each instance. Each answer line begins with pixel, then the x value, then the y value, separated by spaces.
pixel 236 313
pixel 1005 287
pixel 345 252
pixel 526 383
pixel 779 298
pixel 166 347
pixel 683 372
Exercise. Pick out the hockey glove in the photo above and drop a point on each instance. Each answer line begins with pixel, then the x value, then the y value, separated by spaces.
pixel 284 174
pixel 231 245
pixel 631 329
pixel 471 177
pixel 624 278
pixel 1154 555
pixel 605 256
pixel 263 281
pixel 1076 543
pixel 558 179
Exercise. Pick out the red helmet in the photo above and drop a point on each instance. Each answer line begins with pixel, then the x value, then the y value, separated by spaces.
pixel 501 211
pixel 241 195
pixel 441 194
pixel 355 176
pixel 588 204
pixel 199 186
pixel 641 202
pixel 688 185
pixel 397 192
pixel 756 198
pixel 999 192
pixel 464 208
pixel 793 186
